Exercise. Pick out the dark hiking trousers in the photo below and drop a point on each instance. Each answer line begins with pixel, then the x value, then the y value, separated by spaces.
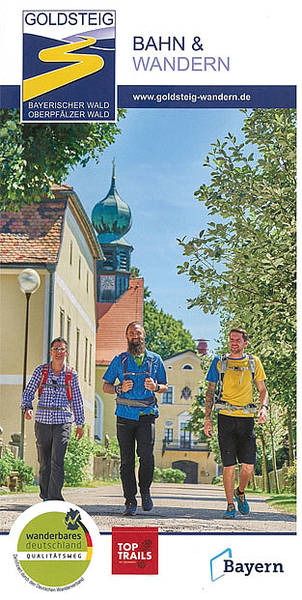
pixel 52 443
pixel 143 433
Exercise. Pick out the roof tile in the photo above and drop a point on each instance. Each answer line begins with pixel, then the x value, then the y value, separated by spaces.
pixel 33 234
pixel 113 319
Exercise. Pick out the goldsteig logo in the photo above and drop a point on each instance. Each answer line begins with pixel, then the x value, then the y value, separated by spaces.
pixel 52 545
pixel 68 66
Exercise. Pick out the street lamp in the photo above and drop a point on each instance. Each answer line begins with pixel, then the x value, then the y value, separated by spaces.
pixel 29 282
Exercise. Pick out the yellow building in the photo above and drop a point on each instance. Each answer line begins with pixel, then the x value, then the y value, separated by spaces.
pixel 175 445
pixel 56 238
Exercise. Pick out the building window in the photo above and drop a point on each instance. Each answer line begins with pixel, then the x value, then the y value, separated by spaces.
pixel 169 435
pixel 62 322
pixel 68 338
pixel 167 397
pixel 77 350
pixel 79 269
pixel 90 364
pixel 87 282
pixel 70 253
pixel 188 367
pixel 85 359
pixel 185 436
pixel 109 264
pixel 186 393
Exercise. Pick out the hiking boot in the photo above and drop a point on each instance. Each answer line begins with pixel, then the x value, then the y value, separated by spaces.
pixel 242 504
pixel 230 512
pixel 147 503
pixel 130 509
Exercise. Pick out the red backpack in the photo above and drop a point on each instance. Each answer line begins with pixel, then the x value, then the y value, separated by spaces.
pixel 68 377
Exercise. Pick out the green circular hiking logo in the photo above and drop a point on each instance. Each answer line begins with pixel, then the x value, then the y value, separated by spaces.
pixel 54 549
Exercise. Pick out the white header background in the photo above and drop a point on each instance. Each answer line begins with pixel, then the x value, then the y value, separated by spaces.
pixel 261 38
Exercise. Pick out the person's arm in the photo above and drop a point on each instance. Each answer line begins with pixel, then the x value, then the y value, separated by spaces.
pixel 152 386
pixel 29 393
pixel 77 406
pixel 125 386
pixel 209 401
pixel 110 377
pixel 263 397
pixel 159 384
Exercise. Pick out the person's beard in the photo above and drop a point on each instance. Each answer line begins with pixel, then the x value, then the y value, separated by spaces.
pixel 136 348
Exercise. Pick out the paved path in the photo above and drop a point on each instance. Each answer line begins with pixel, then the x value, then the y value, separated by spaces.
pixel 177 508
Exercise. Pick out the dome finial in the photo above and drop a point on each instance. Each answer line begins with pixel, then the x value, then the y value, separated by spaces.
pixel 113 167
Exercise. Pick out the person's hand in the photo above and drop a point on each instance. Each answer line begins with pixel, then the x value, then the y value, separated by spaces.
pixel 127 385
pixel 28 414
pixel 208 427
pixel 150 384
pixel 262 415
pixel 79 432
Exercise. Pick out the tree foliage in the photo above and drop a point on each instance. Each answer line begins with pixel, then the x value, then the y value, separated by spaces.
pixel 164 334
pixel 33 156
pixel 244 259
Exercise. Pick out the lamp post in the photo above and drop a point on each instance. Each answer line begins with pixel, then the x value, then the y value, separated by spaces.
pixel 29 282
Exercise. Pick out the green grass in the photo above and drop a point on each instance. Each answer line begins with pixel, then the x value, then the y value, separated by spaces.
pixel 284 502
pixel 95 483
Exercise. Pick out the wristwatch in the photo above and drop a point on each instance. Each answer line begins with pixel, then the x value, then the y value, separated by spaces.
pixel 264 406
pixel 118 388
pixel 157 387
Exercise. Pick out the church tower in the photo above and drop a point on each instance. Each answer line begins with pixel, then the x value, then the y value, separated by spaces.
pixel 111 218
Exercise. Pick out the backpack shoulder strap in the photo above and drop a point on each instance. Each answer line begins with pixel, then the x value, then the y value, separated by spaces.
pixel 149 363
pixel 252 367
pixel 68 378
pixel 124 361
pixel 43 379
pixel 222 369
pixel 223 366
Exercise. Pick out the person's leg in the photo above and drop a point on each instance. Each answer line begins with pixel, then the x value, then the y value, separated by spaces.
pixel 126 440
pixel 247 458
pixel 228 483
pixel 227 445
pixel 44 443
pixel 145 435
pixel 61 435
pixel 245 476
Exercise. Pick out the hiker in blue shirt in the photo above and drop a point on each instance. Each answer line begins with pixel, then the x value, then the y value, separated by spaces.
pixel 140 374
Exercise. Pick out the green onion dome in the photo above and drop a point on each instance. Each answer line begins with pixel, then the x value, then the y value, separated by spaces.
pixel 111 217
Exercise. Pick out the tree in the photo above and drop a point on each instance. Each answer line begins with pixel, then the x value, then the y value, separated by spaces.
pixel 244 260
pixel 33 156
pixel 164 334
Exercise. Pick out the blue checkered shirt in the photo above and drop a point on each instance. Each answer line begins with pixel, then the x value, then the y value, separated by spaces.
pixel 53 405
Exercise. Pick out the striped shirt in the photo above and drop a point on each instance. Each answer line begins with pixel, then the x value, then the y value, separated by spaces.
pixel 53 405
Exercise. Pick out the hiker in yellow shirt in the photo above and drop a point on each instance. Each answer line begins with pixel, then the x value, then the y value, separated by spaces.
pixel 231 380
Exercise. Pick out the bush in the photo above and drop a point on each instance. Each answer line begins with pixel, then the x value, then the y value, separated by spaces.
pixel 217 480
pixel 6 466
pixel 77 460
pixel 168 475
pixel 101 450
pixel 26 473
pixel 290 479
pixel 9 463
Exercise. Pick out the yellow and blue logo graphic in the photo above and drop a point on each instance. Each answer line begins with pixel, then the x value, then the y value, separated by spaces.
pixel 68 66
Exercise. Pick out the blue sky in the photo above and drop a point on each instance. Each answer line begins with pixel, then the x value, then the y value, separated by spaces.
pixel 159 157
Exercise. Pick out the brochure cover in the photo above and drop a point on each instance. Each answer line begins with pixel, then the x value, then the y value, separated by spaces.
pixel 187 115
